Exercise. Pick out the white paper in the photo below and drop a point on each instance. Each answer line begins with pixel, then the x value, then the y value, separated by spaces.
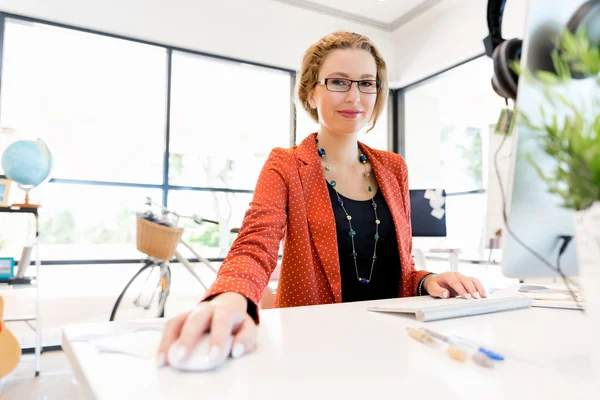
pixel 438 213
pixel 429 194
pixel 437 202
pixel 141 344
pixel 509 291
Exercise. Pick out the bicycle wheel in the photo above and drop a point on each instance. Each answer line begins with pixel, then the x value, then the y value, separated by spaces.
pixel 145 294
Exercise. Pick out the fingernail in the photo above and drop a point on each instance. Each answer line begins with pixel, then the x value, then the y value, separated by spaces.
pixel 445 295
pixel 477 296
pixel 214 353
pixel 161 360
pixel 238 350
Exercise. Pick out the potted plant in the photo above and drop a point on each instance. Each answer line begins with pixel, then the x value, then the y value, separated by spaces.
pixel 570 134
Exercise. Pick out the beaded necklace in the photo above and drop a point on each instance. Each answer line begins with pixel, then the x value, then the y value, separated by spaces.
pixel 362 159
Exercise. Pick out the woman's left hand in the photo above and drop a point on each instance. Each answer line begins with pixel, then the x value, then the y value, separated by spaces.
pixel 453 284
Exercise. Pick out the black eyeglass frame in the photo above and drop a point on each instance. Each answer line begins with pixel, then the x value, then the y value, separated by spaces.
pixel 378 84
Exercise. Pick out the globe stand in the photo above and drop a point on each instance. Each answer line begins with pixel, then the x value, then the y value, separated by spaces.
pixel 26 204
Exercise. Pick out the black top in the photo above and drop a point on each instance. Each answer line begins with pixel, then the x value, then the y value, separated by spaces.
pixel 385 281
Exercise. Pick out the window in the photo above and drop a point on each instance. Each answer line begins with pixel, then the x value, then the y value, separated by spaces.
pixel 90 222
pixel 448 127
pixel 378 136
pixel 98 102
pixel 225 119
pixel 227 208
pixel 304 125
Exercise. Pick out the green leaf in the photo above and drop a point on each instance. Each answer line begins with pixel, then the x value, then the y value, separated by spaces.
pixel 595 168
pixel 515 65
pixel 548 77
pixel 574 141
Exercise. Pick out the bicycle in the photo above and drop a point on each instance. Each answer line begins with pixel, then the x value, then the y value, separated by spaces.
pixel 146 293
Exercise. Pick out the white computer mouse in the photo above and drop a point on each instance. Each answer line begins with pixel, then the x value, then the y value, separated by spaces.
pixel 198 359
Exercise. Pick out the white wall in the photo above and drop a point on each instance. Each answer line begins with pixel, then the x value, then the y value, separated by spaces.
pixel 277 34
pixel 255 30
pixel 447 34
pixel 423 156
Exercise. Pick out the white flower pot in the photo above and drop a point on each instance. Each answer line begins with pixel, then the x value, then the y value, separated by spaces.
pixel 587 239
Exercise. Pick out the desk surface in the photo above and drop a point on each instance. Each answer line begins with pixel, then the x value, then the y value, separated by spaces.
pixel 342 351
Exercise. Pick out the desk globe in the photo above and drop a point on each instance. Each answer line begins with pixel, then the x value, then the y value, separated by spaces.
pixel 28 163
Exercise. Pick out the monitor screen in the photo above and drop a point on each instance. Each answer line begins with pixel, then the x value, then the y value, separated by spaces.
pixel 424 223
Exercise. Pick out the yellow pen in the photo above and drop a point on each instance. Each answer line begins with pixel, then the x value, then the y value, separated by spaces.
pixel 420 336
pixel 455 352
pixel 424 337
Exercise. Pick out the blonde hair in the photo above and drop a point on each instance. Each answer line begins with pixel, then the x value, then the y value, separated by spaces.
pixel 314 57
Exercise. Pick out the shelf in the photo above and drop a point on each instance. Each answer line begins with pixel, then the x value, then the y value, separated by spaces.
pixel 33 211
pixel 27 281
pixel 20 318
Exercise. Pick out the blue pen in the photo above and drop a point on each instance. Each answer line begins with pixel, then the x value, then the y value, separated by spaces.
pixel 491 354
pixel 486 352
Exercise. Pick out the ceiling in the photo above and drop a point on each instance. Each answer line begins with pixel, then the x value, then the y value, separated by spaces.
pixel 388 15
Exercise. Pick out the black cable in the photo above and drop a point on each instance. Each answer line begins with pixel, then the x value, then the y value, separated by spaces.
pixel 573 295
pixel 529 249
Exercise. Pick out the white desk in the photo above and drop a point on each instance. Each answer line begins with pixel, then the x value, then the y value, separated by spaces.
pixel 343 351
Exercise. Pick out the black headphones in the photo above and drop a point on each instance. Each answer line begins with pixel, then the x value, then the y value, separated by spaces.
pixel 503 52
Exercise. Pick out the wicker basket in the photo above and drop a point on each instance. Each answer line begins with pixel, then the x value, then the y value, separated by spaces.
pixel 156 240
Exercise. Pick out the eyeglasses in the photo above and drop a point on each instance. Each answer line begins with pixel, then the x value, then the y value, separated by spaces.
pixel 369 86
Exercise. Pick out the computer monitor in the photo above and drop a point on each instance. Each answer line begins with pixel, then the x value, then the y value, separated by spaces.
pixel 424 223
pixel 536 216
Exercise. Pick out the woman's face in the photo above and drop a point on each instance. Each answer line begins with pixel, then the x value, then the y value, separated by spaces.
pixel 345 112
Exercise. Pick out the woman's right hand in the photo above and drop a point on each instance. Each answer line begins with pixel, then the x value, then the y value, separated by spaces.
pixel 224 315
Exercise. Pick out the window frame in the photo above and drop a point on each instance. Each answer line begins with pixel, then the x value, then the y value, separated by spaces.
pixel 164 186
pixel 392 127
pixel 398 98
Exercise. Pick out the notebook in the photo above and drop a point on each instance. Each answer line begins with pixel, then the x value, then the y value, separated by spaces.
pixel 430 309
pixel 553 296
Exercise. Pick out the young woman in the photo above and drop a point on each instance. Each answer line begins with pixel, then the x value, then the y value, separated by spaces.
pixel 341 208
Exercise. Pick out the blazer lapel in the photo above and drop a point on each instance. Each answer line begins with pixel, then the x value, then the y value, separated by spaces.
pixel 388 184
pixel 321 220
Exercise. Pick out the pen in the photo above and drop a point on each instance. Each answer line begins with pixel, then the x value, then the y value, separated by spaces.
pixel 480 357
pixel 453 351
pixel 420 336
pixel 491 354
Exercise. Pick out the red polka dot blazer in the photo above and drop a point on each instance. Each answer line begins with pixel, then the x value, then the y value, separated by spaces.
pixel 291 203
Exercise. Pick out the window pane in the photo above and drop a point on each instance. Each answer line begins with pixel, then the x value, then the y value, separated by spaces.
pixel 98 102
pixel 89 222
pixel 447 127
pixel 462 159
pixel 378 136
pixel 304 125
pixel 465 219
pixel 461 235
pixel 225 207
pixel 448 120
pixel 225 119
